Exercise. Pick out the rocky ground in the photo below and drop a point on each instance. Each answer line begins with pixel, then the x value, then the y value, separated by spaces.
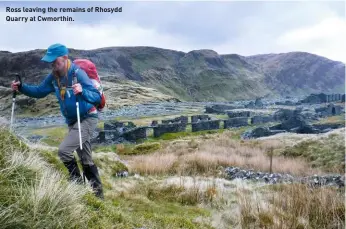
pixel 274 178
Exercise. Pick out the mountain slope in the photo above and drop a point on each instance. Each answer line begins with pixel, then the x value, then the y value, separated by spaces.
pixel 298 72
pixel 198 75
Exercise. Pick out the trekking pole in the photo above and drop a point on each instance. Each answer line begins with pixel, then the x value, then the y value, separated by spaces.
pixel 14 101
pixel 78 118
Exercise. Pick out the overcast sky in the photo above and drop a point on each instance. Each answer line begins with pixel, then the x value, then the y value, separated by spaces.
pixel 245 28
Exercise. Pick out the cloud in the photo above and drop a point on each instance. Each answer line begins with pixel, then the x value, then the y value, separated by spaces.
pixel 246 28
pixel 326 38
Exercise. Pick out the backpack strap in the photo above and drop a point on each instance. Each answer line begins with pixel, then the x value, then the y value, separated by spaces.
pixel 74 74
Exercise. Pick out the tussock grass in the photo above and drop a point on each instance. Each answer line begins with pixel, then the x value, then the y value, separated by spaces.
pixel 292 206
pixel 179 193
pixel 35 194
pixel 146 148
pixel 32 194
pixel 327 152
pixel 156 205
pixel 209 156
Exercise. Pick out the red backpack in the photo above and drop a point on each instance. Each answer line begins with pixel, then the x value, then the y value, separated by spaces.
pixel 90 69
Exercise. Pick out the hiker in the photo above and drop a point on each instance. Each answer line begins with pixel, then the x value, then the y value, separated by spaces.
pixel 60 81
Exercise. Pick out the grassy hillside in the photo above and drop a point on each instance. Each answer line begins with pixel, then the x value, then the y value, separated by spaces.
pixel 198 75
pixel 183 188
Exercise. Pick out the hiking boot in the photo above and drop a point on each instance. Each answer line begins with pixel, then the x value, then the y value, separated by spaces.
pixel 73 171
pixel 92 174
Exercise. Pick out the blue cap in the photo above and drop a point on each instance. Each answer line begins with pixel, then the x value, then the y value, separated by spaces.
pixel 54 51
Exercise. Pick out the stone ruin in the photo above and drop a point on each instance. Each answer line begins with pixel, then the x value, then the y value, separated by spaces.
pixel 115 131
pixel 236 114
pixel 181 119
pixel 218 109
pixel 324 98
pixel 257 104
pixel 294 121
pixel 330 110
pixel 236 122
pixel 206 125
pixel 154 123
pixel 286 103
pixel 259 119
pixel 199 118
pixel 169 128
pixel 274 178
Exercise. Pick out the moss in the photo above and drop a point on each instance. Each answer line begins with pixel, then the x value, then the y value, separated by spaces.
pixel 117 167
pixel 146 148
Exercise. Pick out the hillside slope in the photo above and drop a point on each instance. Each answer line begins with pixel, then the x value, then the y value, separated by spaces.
pixel 198 75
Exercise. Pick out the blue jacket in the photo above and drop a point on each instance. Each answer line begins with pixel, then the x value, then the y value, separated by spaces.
pixel 89 96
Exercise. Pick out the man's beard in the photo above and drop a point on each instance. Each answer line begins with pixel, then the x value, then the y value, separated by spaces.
pixel 60 72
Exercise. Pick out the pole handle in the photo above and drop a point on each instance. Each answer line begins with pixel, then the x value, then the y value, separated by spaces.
pixel 18 79
pixel 75 80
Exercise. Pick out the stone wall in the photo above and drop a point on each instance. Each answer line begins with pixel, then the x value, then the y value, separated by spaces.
pixel 322 98
pixel 330 110
pixel 135 134
pixel 316 98
pixel 198 118
pixel 154 123
pixel 218 109
pixel 206 125
pixel 261 119
pixel 169 128
pixel 235 114
pixel 181 119
pixel 236 122
pixel 112 125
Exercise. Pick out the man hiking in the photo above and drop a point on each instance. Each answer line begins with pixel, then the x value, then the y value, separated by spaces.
pixel 60 81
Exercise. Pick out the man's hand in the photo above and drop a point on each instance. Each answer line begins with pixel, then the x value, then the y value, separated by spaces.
pixel 15 85
pixel 77 88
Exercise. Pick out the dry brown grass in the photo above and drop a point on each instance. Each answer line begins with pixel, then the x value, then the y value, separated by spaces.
pixel 293 206
pixel 208 156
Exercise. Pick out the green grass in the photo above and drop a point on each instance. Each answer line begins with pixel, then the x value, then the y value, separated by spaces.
pixel 53 159
pixel 156 207
pixel 146 148
pixel 160 214
pixel 338 119
pixel 53 136
pixel 293 206
pixel 98 149
pixel 34 195
pixel 327 153
pixel 173 136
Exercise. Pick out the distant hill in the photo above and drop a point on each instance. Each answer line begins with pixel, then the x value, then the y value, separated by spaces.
pixel 198 75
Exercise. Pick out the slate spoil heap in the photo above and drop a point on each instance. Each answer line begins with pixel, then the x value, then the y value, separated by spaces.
pixel 274 178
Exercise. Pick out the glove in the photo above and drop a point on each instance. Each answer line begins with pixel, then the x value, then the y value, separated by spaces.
pixel 15 85
pixel 77 88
